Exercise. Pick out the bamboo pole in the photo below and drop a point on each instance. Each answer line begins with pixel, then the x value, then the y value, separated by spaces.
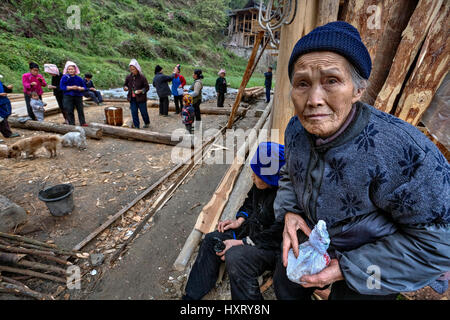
pixel 245 79
pixel 32 273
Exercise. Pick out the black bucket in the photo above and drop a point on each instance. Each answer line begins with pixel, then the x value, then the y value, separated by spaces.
pixel 59 199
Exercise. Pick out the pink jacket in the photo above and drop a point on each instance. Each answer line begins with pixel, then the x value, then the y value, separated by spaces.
pixel 28 78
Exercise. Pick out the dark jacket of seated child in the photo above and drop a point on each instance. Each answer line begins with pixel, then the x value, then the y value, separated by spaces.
pixel 249 245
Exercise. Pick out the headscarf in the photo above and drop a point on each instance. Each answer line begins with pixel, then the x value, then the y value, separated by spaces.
pixel 267 162
pixel 135 64
pixel 51 69
pixel 70 63
pixel 221 71
pixel 187 99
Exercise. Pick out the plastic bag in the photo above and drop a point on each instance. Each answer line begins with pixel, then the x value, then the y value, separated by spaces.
pixel 312 257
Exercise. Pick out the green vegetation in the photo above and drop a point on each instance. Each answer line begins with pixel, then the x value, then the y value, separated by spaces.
pixel 155 32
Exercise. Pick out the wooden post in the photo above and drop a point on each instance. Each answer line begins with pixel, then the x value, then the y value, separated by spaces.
pixel 430 71
pixel 304 22
pixel 412 39
pixel 245 79
pixel 328 11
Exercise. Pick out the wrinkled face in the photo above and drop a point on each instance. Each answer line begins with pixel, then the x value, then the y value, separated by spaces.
pixel 133 70
pixel 71 70
pixel 222 75
pixel 322 92
pixel 34 71
pixel 259 183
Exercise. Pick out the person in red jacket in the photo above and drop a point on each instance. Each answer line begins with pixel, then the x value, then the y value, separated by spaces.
pixel 32 82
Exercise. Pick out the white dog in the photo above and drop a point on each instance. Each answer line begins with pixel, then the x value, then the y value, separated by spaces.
pixel 75 139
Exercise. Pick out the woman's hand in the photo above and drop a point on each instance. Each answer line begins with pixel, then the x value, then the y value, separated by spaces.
pixel 125 88
pixel 81 89
pixel 228 244
pixel 292 222
pixel 328 275
pixel 51 86
pixel 138 92
pixel 229 224
pixel 3 94
pixel 33 83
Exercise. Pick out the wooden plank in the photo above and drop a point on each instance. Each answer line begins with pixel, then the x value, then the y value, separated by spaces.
pixel 412 38
pixel 304 21
pixel 328 11
pixel 393 20
pixel 245 79
pixel 430 70
pixel 93 133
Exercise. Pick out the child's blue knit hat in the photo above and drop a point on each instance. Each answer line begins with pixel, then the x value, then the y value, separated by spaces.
pixel 267 162
pixel 340 37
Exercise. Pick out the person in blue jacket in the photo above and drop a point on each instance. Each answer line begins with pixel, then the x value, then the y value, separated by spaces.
pixel 73 87
pixel 5 111
pixel 380 185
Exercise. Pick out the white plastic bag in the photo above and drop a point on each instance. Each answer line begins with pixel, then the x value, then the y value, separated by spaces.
pixel 312 257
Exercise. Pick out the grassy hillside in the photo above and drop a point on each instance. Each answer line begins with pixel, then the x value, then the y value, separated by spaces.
pixel 155 32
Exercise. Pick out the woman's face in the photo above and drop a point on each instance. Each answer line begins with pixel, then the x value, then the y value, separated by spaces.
pixel 133 70
pixel 34 71
pixel 322 92
pixel 194 76
pixel 71 70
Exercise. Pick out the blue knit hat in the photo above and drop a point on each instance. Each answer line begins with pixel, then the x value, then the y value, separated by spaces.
pixel 340 37
pixel 267 162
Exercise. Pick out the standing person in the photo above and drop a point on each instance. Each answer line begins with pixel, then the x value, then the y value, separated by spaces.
pixel 161 83
pixel 32 81
pixel 91 91
pixel 178 83
pixel 188 113
pixel 5 111
pixel 73 88
pixel 221 88
pixel 137 86
pixel 196 92
pixel 53 70
pixel 268 83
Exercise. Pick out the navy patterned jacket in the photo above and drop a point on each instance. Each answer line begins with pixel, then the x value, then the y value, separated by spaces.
pixel 383 189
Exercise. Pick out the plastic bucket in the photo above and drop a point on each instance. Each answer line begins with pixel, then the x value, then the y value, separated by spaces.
pixel 59 199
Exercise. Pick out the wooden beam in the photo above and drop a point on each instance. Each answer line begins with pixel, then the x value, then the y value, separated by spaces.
pixel 136 134
pixel 245 79
pixel 93 133
pixel 328 11
pixel 412 38
pixel 430 70
pixel 395 18
pixel 303 23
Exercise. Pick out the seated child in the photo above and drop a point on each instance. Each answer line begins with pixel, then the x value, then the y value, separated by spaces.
pixel 251 242
pixel 38 106
pixel 188 112
pixel 91 92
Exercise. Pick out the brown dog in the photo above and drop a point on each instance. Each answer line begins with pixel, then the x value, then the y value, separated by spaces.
pixel 33 144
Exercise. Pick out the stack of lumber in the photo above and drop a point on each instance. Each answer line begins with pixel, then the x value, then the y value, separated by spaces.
pixel 23 258
pixel 252 93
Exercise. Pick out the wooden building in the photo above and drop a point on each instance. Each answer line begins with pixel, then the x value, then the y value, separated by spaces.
pixel 244 26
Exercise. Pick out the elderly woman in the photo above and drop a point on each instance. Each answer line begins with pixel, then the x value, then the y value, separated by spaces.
pixel 137 86
pixel 73 87
pixel 380 185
